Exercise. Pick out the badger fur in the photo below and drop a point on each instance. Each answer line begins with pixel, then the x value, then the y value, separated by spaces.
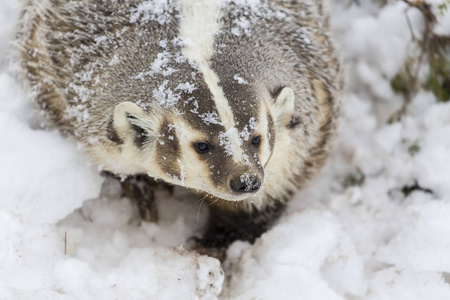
pixel 237 99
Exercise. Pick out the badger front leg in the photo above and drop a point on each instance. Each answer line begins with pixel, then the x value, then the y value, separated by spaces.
pixel 229 222
pixel 141 190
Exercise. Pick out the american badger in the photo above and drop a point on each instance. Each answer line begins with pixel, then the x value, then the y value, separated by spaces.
pixel 237 99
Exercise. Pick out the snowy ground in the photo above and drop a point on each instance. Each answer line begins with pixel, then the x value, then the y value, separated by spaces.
pixel 353 234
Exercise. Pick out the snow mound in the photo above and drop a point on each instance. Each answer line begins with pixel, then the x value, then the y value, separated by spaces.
pixel 44 177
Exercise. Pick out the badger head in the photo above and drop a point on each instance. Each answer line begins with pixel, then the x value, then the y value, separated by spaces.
pixel 209 142
pixel 212 113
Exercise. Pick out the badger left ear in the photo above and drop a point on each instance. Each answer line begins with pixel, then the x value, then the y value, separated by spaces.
pixel 284 107
pixel 134 125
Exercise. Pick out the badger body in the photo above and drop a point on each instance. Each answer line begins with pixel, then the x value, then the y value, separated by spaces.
pixel 235 99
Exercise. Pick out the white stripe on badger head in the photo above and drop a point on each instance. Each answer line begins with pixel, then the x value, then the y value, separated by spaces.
pixel 198 26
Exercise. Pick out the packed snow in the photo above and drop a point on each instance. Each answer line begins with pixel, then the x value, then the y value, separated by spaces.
pixel 354 233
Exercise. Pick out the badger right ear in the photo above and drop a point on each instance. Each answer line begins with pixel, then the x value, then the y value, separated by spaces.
pixel 133 125
pixel 284 107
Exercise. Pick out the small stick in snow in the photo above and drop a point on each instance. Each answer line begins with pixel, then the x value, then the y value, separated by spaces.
pixel 428 43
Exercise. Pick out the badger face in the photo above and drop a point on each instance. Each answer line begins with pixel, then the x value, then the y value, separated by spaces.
pixel 206 147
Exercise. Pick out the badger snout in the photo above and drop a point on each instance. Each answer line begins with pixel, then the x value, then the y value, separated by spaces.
pixel 245 184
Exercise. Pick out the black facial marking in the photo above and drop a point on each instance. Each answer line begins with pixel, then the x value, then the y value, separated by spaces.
pixel 295 121
pixel 242 98
pixel 168 150
pixel 219 164
pixel 271 131
pixel 141 137
pixel 131 117
pixel 112 133
pixel 198 104
pixel 276 91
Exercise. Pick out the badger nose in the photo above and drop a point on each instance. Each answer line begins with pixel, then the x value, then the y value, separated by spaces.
pixel 249 184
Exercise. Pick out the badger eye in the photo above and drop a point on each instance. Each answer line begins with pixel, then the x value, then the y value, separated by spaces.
pixel 256 141
pixel 201 147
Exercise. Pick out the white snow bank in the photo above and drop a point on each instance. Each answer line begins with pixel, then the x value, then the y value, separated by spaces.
pixel 289 261
pixel 43 176
pixel 397 284
pixel 34 266
pixel 9 10
pixel 425 244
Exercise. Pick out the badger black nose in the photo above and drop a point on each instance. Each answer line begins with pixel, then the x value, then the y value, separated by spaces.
pixel 248 185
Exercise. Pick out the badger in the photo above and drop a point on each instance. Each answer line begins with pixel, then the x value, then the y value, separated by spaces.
pixel 235 99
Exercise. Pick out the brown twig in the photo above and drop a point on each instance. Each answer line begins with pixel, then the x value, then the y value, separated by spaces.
pixel 427 36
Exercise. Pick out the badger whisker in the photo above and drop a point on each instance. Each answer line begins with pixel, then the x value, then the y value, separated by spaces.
pixel 200 206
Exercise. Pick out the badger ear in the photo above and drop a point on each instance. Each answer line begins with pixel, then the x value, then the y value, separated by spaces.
pixel 133 125
pixel 284 107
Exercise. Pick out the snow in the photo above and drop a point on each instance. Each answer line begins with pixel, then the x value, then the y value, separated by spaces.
pixel 165 96
pixel 239 79
pixel 30 154
pixel 226 140
pixel 352 234
pixel 187 87
pixel 155 10
pixel 291 271
pixel 210 118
